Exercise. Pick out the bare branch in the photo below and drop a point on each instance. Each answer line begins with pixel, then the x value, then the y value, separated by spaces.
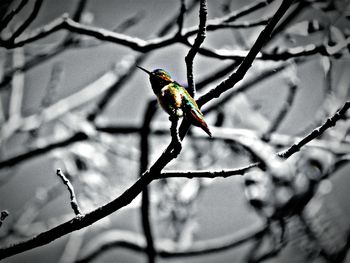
pixel 79 10
pixel 212 25
pixel 203 12
pixel 180 18
pixel 168 25
pixel 22 223
pixel 248 9
pixel 84 220
pixel 64 22
pixel 28 21
pixel 42 149
pixel 44 56
pixel 6 20
pixel 330 122
pixel 289 53
pixel 248 60
pixel 207 174
pixel 290 17
pixel 73 199
pixel 245 86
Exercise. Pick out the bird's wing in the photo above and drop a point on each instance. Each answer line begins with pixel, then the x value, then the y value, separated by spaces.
pixel 193 112
pixel 190 101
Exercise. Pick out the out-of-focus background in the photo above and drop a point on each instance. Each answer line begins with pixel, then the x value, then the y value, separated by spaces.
pixel 73 102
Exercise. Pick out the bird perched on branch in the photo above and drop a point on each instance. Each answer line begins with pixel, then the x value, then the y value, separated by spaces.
pixel 175 99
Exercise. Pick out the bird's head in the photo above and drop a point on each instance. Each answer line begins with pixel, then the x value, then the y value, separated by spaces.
pixel 158 78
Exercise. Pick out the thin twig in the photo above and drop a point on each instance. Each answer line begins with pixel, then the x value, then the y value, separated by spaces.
pixel 21 225
pixel 214 25
pixel 28 21
pixel 42 149
pixel 237 55
pixel 330 122
pixel 203 13
pixel 247 62
pixel 6 20
pixel 79 10
pixel 42 57
pixel 85 220
pixel 207 174
pixel 290 17
pixel 180 18
pixel 215 75
pixel 245 86
pixel 246 10
pixel 73 199
pixel 64 22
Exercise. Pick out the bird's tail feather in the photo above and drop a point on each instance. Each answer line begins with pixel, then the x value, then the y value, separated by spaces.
pixel 199 122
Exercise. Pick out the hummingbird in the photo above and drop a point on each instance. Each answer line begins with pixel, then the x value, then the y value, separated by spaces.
pixel 175 99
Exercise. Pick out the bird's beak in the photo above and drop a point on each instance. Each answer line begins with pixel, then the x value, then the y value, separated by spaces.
pixel 145 70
